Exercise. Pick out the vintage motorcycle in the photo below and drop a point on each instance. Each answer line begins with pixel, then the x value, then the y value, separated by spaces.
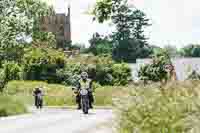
pixel 39 101
pixel 84 100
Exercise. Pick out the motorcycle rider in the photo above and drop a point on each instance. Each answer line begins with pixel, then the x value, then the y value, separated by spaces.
pixel 36 92
pixel 84 82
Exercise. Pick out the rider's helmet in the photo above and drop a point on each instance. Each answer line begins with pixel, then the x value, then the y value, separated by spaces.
pixel 84 75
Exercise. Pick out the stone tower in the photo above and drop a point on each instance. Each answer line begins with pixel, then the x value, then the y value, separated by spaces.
pixel 60 25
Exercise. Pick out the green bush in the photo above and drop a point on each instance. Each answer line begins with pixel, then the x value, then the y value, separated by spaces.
pixel 42 63
pixel 10 71
pixel 10 106
pixel 156 70
pixel 151 109
pixel 101 69
pixel 121 74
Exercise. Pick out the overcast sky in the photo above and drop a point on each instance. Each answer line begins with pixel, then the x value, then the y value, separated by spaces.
pixel 175 22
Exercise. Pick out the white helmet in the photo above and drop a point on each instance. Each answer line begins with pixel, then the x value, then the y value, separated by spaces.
pixel 84 75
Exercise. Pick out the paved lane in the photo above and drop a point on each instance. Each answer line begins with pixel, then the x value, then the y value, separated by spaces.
pixel 56 121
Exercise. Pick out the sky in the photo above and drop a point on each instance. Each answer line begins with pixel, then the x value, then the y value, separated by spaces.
pixel 174 22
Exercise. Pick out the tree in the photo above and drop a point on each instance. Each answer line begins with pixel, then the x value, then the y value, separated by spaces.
pixel 130 50
pixel 129 23
pixel 100 45
pixel 191 50
pixel 19 19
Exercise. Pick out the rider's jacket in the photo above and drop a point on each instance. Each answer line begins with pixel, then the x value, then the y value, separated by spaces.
pixel 36 92
pixel 85 84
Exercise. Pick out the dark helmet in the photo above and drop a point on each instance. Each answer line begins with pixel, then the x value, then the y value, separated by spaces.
pixel 84 75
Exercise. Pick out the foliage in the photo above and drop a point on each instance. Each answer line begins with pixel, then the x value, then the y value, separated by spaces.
pixel 151 109
pixel 42 63
pixel 156 70
pixel 10 106
pixel 12 71
pixel 130 50
pixel 191 51
pixel 9 71
pixel 130 22
pixel 101 69
pixel 105 49
pixel 44 39
pixel 19 20
pixel 70 74
pixel 121 74
pixel 102 10
pixel 100 45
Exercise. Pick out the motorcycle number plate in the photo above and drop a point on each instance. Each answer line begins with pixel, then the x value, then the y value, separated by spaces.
pixel 84 92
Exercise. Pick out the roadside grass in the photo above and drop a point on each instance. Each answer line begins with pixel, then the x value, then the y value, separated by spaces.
pixel 59 95
pixel 11 106
pixel 173 108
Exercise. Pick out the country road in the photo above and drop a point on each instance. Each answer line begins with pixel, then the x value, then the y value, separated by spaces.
pixel 59 121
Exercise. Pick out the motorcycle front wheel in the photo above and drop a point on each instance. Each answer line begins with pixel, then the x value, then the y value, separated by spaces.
pixel 85 104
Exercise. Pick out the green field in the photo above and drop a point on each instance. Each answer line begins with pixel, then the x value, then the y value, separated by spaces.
pixel 58 95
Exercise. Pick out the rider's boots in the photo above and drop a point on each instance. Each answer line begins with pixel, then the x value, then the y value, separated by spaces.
pixel 79 106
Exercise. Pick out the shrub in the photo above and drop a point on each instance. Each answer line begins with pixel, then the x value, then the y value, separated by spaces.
pixel 121 74
pixel 41 64
pixel 101 69
pixel 156 70
pixel 10 106
pixel 172 109
pixel 10 71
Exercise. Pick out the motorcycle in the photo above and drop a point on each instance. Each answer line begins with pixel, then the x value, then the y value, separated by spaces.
pixel 39 101
pixel 84 100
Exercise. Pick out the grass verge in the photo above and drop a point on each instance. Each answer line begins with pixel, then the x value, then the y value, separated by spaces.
pixel 11 106
pixel 174 108
pixel 59 95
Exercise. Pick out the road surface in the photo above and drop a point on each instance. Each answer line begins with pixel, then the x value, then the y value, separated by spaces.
pixel 58 121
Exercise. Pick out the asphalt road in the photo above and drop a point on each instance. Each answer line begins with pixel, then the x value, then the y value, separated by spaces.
pixel 58 121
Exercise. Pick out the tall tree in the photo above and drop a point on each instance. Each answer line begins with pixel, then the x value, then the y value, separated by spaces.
pixel 129 22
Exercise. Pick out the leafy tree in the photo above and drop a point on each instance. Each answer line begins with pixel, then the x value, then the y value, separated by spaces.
pixel 100 45
pixel 19 19
pixel 191 50
pixel 130 50
pixel 129 23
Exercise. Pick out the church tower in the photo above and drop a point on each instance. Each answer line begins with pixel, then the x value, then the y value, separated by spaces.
pixel 60 25
pixel 67 28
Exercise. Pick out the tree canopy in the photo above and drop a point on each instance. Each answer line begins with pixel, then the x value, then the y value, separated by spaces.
pixel 128 38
